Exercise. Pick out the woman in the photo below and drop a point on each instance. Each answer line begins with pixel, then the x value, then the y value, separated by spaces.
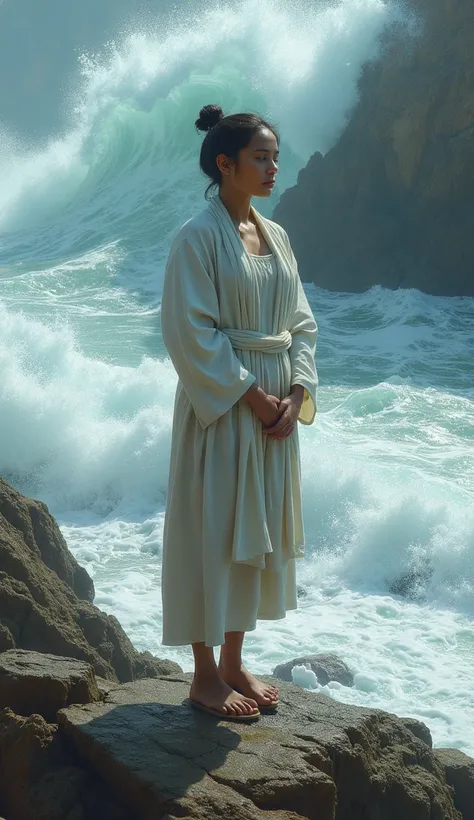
pixel 242 337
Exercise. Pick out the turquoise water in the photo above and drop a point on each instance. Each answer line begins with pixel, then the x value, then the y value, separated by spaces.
pixel 87 390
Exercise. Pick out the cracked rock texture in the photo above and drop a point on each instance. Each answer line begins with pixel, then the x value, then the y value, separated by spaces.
pixel 315 758
pixel 45 597
pixel 392 202
pixel 31 682
pixel 42 536
pixel 459 771
pixel 40 778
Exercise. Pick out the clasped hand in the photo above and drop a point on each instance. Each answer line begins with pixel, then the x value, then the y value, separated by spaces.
pixel 285 416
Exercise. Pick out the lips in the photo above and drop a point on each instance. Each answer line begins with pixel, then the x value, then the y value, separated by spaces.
pixel 270 183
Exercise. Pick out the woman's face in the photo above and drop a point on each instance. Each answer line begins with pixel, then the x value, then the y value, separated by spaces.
pixel 254 173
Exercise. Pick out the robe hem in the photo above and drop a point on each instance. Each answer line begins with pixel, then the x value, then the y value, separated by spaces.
pixel 231 628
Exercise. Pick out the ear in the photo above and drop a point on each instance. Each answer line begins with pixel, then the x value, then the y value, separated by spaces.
pixel 224 164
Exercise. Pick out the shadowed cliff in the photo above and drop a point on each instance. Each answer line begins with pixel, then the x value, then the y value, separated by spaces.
pixel 392 203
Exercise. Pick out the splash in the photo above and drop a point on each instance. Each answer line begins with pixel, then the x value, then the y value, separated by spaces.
pixel 131 144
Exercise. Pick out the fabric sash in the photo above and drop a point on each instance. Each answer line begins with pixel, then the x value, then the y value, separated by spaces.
pixel 253 340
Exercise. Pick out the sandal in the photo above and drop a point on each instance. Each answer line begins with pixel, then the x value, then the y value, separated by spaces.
pixel 222 715
pixel 264 708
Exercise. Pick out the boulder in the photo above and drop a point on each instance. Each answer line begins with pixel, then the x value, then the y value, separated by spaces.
pixel 315 758
pixel 325 667
pixel 34 683
pixel 459 770
pixel 392 202
pixel 40 611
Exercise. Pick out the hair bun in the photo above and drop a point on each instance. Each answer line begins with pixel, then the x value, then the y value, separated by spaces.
pixel 209 116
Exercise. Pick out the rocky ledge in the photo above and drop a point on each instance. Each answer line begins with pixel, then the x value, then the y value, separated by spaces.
pixel 91 729
pixel 138 751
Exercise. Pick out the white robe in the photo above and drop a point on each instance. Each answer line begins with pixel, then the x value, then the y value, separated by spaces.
pixel 233 524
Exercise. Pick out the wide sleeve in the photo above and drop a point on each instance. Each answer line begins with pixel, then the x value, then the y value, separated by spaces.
pixel 211 374
pixel 304 332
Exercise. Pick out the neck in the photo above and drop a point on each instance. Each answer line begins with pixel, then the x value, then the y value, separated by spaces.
pixel 238 205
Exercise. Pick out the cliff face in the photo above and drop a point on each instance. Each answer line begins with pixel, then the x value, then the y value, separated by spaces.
pixel 392 203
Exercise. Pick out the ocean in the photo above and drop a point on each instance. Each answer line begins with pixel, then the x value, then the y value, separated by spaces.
pixel 86 392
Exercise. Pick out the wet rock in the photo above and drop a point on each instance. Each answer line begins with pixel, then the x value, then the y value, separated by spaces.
pixel 325 667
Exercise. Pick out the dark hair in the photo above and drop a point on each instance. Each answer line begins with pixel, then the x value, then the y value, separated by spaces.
pixel 225 135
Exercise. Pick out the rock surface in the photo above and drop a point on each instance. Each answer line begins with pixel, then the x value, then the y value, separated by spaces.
pixel 142 753
pixel 325 667
pixel 420 730
pixel 459 771
pixel 315 759
pixel 137 751
pixel 6 640
pixel 35 683
pixel 43 537
pixel 392 203
pixel 40 778
pixel 39 609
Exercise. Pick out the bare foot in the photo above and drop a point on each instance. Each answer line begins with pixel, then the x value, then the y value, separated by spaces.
pixel 243 680
pixel 215 693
